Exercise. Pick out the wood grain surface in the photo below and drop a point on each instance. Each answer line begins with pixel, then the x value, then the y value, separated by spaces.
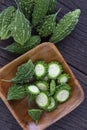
pixel 74 50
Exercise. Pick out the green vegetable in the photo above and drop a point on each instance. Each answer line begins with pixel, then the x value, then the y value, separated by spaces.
pixel 54 70
pixel 64 86
pixel 40 10
pixel 63 78
pixel 24 73
pixel 42 85
pixel 46 78
pixel 52 87
pixel 62 95
pixel 16 92
pixel 65 26
pixel 5 20
pixel 42 100
pixel 32 89
pixel 40 69
pixel 48 26
pixel 20 28
pixel 35 114
pixel 52 106
pixel 26 6
pixel 52 6
pixel 18 49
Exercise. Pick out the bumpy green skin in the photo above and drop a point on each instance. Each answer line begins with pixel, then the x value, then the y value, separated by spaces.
pixel 60 66
pixel 52 87
pixel 16 92
pixel 20 28
pixel 52 6
pixel 53 107
pixel 61 76
pixel 5 20
pixel 44 83
pixel 65 26
pixel 26 6
pixel 40 10
pixel 35 114
pixel 48 26
pixel 18 49
pixel 64 86
pixel 45 70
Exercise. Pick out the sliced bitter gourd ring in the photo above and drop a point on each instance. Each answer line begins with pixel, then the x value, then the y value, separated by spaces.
pixel 42 85
pixel 40 69
pixel 42 100
pixel 63 78
pixel 32 89
pixel 52 105
pixel 62 95
pixel 54 70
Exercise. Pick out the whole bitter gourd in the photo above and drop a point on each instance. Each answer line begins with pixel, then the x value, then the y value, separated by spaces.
pixel 5 20
pixel 20 49
pixel 20 28
pixel 48 26
pixel 26 6
pixel 65 26
pixel 40 10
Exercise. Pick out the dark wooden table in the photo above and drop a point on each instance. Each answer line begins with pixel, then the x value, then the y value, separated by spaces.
pixel 74 50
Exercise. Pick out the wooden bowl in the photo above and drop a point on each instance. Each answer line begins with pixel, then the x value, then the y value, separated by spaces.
pixel 47 52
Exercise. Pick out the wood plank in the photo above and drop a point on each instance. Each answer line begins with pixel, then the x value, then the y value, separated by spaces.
pixel 73 48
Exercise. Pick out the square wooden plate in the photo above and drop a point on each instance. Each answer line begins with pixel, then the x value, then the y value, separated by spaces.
pixel 47 52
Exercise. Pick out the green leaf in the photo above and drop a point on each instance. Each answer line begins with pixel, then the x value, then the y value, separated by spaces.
pixel 65 26
pixel 5 20
pixel 20 28
pixel 16 92
pixel 24 73
pixel 18 49
pixel 35 114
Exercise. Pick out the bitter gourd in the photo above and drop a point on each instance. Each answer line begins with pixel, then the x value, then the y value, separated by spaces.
pixel 40 10
pixel 52 6
pixel 27 7
pixel 65 26
pixel 20 28
pixel 18 49
pixel 5 20
pixel 48 26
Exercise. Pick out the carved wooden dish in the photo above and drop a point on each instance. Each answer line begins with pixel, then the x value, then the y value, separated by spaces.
pixel 47 52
